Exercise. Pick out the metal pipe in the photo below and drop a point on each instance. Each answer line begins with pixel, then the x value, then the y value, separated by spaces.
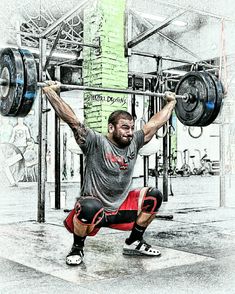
pixel 57 162
pixel 145 158
pixel 165 167
pixel 150 55
pixel 155 29
pixel 74 42
pixel 68 54
pixel 156 109
pixel 222 182
pixel 55 42
pixel 57 175
pixel 180 46
pixel 42 139
pixel 202 12
pixel 81 170
pixel 146 171
pixel 141 74
pixel 63 18
pixel 149 25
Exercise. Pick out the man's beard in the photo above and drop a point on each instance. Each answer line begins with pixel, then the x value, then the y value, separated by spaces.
pixel 120 142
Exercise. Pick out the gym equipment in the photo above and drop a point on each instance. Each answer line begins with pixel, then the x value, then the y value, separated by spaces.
pixel 185 170
pixel 199 94
pixel 205 97
pixel 30 85
pixel 205 167
pixel 195 132
pixel 12 71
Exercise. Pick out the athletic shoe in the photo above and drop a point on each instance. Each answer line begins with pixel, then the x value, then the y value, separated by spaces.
pixel 140 248
pixel 75 256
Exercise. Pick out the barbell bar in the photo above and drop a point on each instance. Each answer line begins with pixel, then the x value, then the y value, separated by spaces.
pixel 199 94
pixel 5 83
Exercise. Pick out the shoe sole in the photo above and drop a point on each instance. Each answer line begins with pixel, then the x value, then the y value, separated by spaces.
pixel 132 252
pixel 74 263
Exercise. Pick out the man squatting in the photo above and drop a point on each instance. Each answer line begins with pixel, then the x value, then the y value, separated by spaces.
pixel 106 199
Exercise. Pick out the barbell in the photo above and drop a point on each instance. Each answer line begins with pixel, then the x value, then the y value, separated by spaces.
pixel 199 94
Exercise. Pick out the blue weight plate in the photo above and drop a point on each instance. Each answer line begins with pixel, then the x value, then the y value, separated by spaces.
pixel 12 70
pixel 30 86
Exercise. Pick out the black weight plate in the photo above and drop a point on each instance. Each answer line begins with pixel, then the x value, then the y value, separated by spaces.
pixel 210 101
pixel 190 111
pixel 219 95
pixel 30 86
pixel 11 68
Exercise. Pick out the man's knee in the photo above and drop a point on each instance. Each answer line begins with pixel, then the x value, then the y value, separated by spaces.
pixel 89 210
pixel 152 201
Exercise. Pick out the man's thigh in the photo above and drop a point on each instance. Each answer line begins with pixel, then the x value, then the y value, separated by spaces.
pixel 122 219
pixel 125 217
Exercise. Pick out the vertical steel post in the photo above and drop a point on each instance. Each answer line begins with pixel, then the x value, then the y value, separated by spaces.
pixel 81 171
pixel 222 160
pixel 128 31
pixel 165 168
pixel 145 158
pixel 57 162
pixel 57 151
pixel 146 170
pixel 156 109
pixel 42 136
pixel 165 142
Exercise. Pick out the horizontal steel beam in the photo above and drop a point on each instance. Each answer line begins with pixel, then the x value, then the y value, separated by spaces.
pixel 150 55
pixel 51 39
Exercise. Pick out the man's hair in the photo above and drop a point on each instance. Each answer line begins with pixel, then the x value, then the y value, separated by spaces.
pixel 118 114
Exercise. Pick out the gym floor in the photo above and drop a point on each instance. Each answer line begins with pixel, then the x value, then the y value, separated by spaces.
pixel 197 246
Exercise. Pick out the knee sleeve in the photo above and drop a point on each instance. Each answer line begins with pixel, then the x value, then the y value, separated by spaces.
pixel 152 201
pixel 89 211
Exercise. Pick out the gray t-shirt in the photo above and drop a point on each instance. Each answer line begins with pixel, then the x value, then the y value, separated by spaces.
pixel 108 168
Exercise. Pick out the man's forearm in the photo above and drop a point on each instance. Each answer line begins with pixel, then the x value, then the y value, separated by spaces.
pixel 63 110
pixel 158 120
pixel 164 115
pixel 166 112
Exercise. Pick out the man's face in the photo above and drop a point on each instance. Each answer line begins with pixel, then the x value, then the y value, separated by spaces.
pixel 122 133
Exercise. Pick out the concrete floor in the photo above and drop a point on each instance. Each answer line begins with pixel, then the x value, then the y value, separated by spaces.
pixel 198 246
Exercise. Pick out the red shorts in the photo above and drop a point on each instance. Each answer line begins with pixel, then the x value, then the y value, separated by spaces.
pixel 122 219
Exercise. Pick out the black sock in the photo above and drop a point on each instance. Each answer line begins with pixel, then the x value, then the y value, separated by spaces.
pixel 136 234
pixel 78 241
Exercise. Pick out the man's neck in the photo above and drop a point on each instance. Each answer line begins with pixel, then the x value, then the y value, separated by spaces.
pixel 110 138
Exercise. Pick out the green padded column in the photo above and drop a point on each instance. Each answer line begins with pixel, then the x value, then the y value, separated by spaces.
pixel 106 67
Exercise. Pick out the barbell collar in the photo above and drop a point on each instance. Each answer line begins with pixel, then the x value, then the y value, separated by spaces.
pixel 4 82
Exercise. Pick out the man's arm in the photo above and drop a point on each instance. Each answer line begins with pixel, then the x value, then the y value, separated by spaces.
pixel 160 118
pixel 64 111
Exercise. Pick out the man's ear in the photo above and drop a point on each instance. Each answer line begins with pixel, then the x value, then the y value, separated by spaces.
pixel 110 128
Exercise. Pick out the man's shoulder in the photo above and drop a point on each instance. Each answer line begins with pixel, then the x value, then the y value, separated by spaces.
pixel 93 131
pixel 139 133
pixel 95 136
pixel 138 138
